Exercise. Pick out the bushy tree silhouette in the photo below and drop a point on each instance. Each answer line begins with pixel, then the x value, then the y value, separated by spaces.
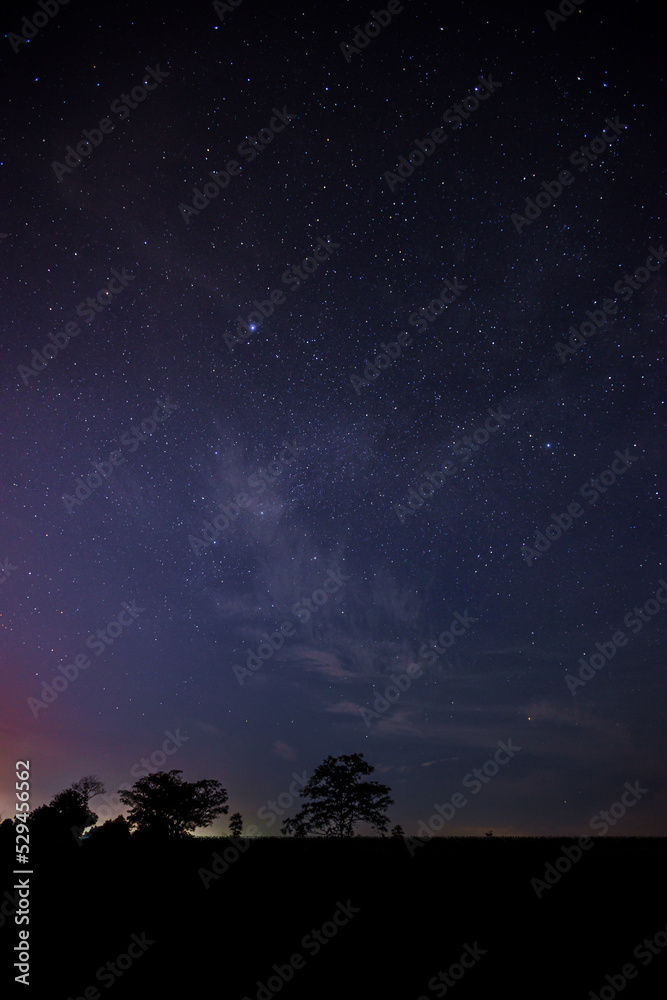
pixel 72 808
pixel 68 812
pixel 163 805
pixel 339 799
pixel 113 833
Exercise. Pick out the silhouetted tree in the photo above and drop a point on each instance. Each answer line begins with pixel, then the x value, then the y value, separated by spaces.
pixel 85 788
pixel 72 803
pixel 397 831
pixel 40 817
pixel 112 833
pixel 339 799
pixel 68 813
pixel 72 808
pixel 6 834
pixel 162 804
pixel 236 824
pixel 56 826
pixel 88 787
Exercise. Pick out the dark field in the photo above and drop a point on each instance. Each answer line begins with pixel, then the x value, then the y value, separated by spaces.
pixel 400 919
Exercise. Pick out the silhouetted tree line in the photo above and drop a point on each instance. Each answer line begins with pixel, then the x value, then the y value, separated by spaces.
pixel 162 806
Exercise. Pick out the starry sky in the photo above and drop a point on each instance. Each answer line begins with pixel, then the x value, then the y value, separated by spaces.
pixel 307 463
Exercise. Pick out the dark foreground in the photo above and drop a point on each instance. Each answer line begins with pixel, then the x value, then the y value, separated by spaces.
pixel 364 918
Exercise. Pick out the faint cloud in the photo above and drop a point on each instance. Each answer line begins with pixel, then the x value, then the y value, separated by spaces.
pixel 317 661
pixel 209 729
pixel 283 750
pixel 440 760
pixel 343 708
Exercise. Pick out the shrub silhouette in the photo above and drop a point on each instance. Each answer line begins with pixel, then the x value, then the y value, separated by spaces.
pixel 112 834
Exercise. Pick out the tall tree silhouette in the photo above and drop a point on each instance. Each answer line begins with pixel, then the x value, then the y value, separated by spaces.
pixel 162 804
pixel 236 824
pixel 338 799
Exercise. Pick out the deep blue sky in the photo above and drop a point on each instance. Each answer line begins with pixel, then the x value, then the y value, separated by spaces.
pixel 356 450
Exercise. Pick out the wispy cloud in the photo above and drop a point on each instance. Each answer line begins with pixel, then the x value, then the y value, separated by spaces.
pixel 343 708
pixel 283 750
pixel 317 661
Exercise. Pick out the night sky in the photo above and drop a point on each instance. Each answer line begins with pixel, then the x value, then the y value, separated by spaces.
pixel 309 459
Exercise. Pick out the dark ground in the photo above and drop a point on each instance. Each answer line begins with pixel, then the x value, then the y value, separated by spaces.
pixel 416 914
